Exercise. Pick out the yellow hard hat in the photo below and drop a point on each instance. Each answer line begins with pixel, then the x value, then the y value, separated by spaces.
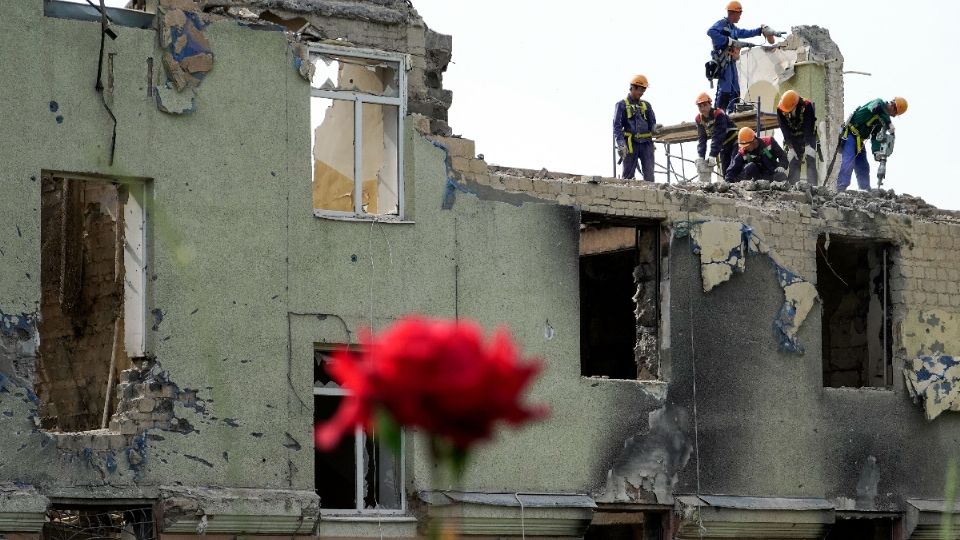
pixel 735 6
pixel 703 98
pixel 639 80
pixel 901 105
pixel 788 102
pixel 746 136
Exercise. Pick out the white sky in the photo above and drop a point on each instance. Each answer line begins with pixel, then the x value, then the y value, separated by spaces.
pixel 534 83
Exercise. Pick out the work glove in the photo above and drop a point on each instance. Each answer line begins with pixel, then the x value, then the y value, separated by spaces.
pixel 622 151
pixel 767 33
pixel 780 170
pixel 811 152
pixel 791 154
pixel 656 129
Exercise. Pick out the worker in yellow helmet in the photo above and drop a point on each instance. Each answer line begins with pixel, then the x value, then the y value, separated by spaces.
pixel 715 125
pixel 870 121
pixel 634 124
pixel 798 123
pixel 725 37
pixel 759 158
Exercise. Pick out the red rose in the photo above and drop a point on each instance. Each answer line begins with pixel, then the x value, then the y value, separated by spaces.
pixel 436 375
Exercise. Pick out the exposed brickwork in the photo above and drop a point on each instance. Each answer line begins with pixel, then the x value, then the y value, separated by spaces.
pixel 925 272
pixel 82 299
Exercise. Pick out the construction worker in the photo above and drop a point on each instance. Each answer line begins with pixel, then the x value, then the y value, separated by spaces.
pixel 714 124
pixel 759 158
pixel 867 121
pixel 798 123
pixel 634 124
pixel 725 36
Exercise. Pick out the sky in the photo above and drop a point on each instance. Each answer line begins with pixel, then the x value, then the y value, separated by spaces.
pixel 534 83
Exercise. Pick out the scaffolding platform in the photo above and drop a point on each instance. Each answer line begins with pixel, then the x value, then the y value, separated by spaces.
pixel 687 131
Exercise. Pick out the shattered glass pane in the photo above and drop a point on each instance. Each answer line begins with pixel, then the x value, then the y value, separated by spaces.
pixel 381 477
pixel 332 144
pixel 334 471
pixel 380 172
pixel 369 76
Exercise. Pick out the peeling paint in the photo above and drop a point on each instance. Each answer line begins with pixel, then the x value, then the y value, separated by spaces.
pixel 934 382
pixel 723 247
pixel 172 102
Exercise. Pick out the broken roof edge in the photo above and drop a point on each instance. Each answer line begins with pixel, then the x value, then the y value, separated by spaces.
pixel 763 194
pixel 386 12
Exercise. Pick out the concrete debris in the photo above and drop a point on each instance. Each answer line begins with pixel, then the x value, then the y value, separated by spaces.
pixel 386 12
pixel 934 382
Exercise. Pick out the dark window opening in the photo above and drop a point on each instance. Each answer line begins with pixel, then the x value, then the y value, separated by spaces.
pixel 637 526
pixel 852 281
pixel 92 293
pixel 861 529
pixel 363 472
pixel 620 301
pixel 125 522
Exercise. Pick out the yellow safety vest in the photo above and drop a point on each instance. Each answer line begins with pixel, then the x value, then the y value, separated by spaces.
pixel 631 108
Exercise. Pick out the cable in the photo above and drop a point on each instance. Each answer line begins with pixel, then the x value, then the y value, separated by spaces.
pixel 523 526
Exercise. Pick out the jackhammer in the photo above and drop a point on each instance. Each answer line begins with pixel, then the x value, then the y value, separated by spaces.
pixel 886 138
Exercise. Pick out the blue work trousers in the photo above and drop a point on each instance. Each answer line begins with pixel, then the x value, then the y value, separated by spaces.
pixel 642 153
pixel 853 161
pixel 726 100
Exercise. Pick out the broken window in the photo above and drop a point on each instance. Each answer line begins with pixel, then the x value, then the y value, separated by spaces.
pixel 356 108
pixel 633 525
pixel 852 281
pixel 362 474
pixel 92 284
pixel 620 300
pixel 72 522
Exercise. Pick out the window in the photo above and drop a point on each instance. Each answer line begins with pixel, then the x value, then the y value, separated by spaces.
pixel 852 281
pixel 133 522
pixel 620 300
pixel 864 528
pixel 357 105
pixel 362 474
pixel 92 299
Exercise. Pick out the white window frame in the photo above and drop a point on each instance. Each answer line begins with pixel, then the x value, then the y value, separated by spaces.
pixel 359 441
pixel 358 99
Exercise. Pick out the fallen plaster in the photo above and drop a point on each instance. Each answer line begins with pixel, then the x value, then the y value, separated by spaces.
pixel 187 55
pixel 934 382
pixel 649 465
pixel 172 102
pixel 723 247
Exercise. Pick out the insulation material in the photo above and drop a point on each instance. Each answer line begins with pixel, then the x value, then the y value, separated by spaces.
pixel 187 56
pixel 762 70
pixel 799 297
pixel 934 381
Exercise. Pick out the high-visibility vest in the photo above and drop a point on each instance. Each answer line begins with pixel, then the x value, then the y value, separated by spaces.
pixel 631 110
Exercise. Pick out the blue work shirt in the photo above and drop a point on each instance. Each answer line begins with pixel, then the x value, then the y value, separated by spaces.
pixel 641 120
pixel 723 29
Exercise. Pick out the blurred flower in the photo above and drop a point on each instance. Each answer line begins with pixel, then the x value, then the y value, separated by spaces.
pixel 433 374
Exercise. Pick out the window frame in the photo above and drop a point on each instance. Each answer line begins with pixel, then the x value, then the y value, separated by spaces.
pixel 360 440
pixel 358 99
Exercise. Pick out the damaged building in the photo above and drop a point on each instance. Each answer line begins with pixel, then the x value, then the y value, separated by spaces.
pixel 203 199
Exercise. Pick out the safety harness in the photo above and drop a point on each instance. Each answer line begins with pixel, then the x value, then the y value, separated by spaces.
pixel 633 109
pixel 765 151
pixel 709 125
pixel 856 133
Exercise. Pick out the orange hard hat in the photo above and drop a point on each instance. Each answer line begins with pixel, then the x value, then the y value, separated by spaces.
pixel 901 105
pixel 788 102
pixel 735 6
pixel 703 98
pixel 746 136
pixel 639 80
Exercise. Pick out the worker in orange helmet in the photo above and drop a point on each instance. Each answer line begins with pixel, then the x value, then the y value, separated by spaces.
pixel 759 158
pixel 715 125
pixel 634 125
pixel 869 121
pixel 798 123
pixel 725 37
